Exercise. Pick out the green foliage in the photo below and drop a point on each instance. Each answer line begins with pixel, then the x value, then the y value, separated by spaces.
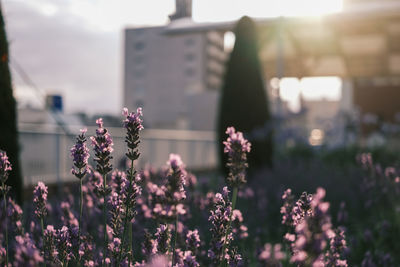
pixel 8 116
pixel 243 102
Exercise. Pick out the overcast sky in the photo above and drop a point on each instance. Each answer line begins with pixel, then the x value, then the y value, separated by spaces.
pixel 74 47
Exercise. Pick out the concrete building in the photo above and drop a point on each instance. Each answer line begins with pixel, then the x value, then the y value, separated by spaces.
pixel 174 77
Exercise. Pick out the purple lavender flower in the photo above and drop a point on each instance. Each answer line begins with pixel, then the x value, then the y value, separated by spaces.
pixel 163 238
pixel 115 247
pixel 40 200
pixel 117 179
pixel 219 219
pixel 64 244
pixel 68 218
pixel 302 208
pixel 237 148
pixel 26 253
pixel 175 192
pixel 271 256
pixel 287 208
pixel 149 246
pixel 103 146
pixel 238 228
pixel 189 259
pixel 334 256
pixel 116 212
pixel 234 258
pixel 130 191
pixel 3 256
pixel 193 241
pixel 133 125
pixel 313 233
pixel 80 156
pixel 14 212
pixel 49 244
pixel 86 249
pixel 5 166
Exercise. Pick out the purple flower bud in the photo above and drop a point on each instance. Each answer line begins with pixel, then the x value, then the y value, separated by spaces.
pixel 193 241
pixel 219 218
pixel 103 146
pixel 237 148
pixel 133 125
pixel 189 260
pixel 26 253
pixel 133 120
pixel 49 245
pixel 64 245
pixel 313 231
pixel 40 200
pixel 149 246
pixel 271 255
pixel 5 166
pixel 334 256
pixel 163 237
pixel 80 156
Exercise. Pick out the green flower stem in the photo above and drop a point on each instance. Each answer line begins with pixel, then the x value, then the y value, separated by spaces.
pixel 175 237
pixel 104 219
pixel 80 220
pixel 126 225
pixel 42 225
pixel 130 243
pixel 228 231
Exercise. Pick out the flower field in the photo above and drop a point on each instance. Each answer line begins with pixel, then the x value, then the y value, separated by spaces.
pixel 349 216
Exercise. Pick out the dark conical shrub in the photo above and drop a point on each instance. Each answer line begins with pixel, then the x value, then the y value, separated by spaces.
pixel 243 100
pixel 8 116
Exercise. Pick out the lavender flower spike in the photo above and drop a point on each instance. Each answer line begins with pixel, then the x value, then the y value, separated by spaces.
pixel 103 146
pixel 80 156
pixel 219 218
pixel 237 148
pixel 133 125
pixel 5 166
pixel 40 199
pixel 26 253
pixel 163 236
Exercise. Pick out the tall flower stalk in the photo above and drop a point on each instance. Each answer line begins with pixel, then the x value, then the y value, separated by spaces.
pixel 102 144
pixel 219 218
pixel 237 147
pixel 80 156
pixel 133 125
pixel 40 201
pixel 175 193
pixel 5 167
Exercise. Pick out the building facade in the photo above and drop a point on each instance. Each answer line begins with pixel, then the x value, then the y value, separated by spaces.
pixel 174 77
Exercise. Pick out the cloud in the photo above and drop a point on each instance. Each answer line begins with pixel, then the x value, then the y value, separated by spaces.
pixel 61 54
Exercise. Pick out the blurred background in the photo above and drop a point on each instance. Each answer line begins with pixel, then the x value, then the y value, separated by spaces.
pixel 331 73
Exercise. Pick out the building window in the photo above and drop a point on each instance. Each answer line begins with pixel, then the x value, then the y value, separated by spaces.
pixel 139 45
pixel 139 60
pixel 139 73
pixel 189 57
pixel 189 72
pixel 189 42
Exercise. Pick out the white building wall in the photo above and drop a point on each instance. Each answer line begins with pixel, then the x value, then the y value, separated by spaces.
pixel 165 72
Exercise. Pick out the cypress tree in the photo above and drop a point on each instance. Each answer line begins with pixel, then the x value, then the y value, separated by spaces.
pixel 243 101
pixel 8 116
